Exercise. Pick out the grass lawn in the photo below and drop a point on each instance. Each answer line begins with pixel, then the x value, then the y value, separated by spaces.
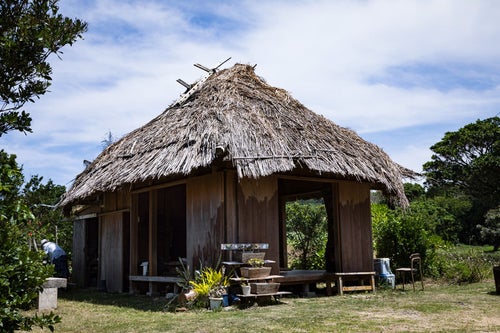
pixel 471 307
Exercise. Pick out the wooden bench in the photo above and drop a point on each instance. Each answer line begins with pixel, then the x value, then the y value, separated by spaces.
pixel 306 277
pixel 361 277
pixel 152 280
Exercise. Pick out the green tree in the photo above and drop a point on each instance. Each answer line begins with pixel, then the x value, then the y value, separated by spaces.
pixel 467 161
pixel 22 272
pixel 413 191
pixel 490 231
pixel 30 31
pixel 306 234
pixel 49 219
pixel 398 233
pixel 450 211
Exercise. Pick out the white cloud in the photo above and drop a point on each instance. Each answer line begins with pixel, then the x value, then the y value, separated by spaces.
pixel 326 53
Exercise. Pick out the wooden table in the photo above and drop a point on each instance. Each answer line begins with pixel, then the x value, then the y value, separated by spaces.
pixel 361 277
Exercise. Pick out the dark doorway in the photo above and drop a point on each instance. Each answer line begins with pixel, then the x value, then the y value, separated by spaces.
pixel 143 227
pixel 171 241
pixel 91 252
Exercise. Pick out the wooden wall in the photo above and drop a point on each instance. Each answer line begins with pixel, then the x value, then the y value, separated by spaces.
pixel 355 232
pixel 114 201
pixel 204 217
pixel 222 210
pixel 112 254
pixel 78 262
pixel 258 214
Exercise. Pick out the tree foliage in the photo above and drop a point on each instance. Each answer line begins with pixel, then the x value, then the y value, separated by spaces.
pixel 22 272
pixel 397 234
pixel 490 230
pixel 30 31
pixel 466 162
pixel 306 234
pixel 469 159
pixel 49 219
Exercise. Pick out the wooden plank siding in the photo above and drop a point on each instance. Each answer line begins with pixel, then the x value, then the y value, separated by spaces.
pixel 111 251
pixel 258 214
pixel 204 218
pixel 231 206
pixel 78 262
pixel 115 201
pixel 355 232
pixel 220 208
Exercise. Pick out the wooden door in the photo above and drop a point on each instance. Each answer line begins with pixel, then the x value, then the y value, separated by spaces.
pixel 111 251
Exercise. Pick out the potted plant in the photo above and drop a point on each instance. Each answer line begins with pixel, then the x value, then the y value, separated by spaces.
pixel 245 288
pixel 215 296
pixel 187 293
pixel 210 283
pixel 256 269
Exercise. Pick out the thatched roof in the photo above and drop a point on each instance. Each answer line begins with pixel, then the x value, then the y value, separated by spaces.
pixel 260 129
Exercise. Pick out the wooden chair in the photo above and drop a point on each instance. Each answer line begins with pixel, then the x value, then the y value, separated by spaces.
pixel 414 260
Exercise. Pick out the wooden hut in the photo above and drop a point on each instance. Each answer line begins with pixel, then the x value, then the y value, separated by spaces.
pixel 218 166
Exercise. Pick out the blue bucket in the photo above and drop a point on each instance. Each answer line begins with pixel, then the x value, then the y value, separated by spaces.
pixel 388 280
pixel 383 272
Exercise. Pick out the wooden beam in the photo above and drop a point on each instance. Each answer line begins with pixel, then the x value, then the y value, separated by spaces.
pixel 153 228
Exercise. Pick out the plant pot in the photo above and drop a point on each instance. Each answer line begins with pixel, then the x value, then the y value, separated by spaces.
pixel 243 257
pixel 215 303
pixel 245 290
pixel 264 288
pixel 255 272
pixel 496 275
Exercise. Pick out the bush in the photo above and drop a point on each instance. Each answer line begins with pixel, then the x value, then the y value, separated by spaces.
pixel 306 234
pixel 458 267
pixel 22 272
pixel 397 234
pixel 490 231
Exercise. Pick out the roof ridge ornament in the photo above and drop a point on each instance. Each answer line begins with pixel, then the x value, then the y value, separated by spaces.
pixel 192 88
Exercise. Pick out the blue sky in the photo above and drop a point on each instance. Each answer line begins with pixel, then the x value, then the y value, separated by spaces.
pixel 399 73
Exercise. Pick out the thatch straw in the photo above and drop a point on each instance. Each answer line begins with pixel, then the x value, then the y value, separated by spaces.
pixel 262 130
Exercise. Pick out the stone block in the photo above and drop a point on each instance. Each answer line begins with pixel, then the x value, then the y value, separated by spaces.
pixel 47 298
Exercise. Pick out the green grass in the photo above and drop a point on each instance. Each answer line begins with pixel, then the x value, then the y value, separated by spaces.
pixel 447 308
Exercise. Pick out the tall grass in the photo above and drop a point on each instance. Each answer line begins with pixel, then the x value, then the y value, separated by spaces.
pixel 464 264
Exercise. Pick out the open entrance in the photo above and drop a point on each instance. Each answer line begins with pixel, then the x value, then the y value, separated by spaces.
pixel 161 230
pixel 317 201
pixel 306 234
pixel 171 236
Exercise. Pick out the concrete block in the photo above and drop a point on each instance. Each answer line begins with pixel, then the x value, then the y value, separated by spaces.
pixel 47 298
pixel 54 282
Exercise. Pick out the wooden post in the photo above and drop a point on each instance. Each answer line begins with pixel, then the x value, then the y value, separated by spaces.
pixel 134 251
pixel 153 237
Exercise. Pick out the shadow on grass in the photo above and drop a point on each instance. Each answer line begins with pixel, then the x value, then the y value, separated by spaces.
pixel 93 296
pixel 141 302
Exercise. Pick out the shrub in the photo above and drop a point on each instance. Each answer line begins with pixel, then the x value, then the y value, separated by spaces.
pixel 22 272
pixel 458 267
pixel 397 234
pixel 306 234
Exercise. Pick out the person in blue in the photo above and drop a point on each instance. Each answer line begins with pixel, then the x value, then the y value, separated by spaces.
pixel 56 256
